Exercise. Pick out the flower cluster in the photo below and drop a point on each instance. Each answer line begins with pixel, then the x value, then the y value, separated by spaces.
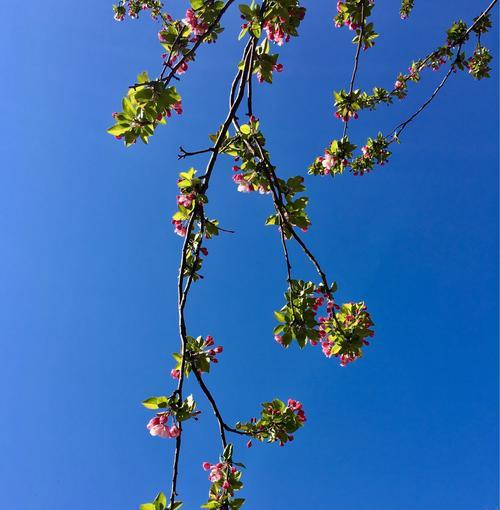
pixel 281 20
pixel 191 202
pixel 479 63
pixel 345 332
pixel 265 63
pixel 353 14
pixel 186 202
pixel 158 426
pixel 278 422
pixel 144 108
pixel 248 174
pixel 348 104
pixel 225 481
pixel 342 330
pixel 200 353
pixel 176 412
pixel 375 152
pixel 195 24
pixel 335 159
pixel 406 8
pixel 133 8
pixel 339 156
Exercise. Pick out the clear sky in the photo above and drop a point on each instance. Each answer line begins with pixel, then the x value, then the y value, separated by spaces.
pixel 89 262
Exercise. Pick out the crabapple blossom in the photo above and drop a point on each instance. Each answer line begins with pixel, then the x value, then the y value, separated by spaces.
pixel 196 26
pixel 158 426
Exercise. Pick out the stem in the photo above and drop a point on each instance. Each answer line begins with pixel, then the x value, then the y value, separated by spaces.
pixel 356 61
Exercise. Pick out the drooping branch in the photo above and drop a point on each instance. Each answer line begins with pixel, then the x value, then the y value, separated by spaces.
pixel 183 291
pixel 396 132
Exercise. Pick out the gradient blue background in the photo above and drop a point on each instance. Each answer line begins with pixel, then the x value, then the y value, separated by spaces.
pixel 89 262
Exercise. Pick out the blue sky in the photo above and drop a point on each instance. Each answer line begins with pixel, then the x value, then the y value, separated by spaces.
pixel 89 263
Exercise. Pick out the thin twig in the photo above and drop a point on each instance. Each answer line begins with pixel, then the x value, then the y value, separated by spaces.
pixel 185 154
pixel 356 61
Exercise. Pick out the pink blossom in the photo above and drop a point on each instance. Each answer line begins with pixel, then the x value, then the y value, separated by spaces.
pixel 177 106
pixel 185 200
pixel 197 27
pixel 162 36
pixel 243 185
pixel 182 68
pixel 328 162
pixel 345 359
pixel 158 426
pixel 215 473
pixel 294 405
pixel 175 373
pixel 179 228
pixel 174 431
pixel 325 347
pixel 275 34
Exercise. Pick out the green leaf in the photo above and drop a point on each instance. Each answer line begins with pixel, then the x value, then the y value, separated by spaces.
pixel 143 77
pixel 211 504
pixel 128 109
pixel 144 95
pixel 228 452
pixel 246 11
pixel 147 506
pixel 160 501
pixel 179 216
pixel 245 129
pixel 237 503
pixel 278 329
pixel 256 30
pixel 280 316
pixel 119 129
pixel 155 402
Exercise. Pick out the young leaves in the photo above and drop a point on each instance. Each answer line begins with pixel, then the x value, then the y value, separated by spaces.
pixel 278 422
pixel 160 503
pixel 144 108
